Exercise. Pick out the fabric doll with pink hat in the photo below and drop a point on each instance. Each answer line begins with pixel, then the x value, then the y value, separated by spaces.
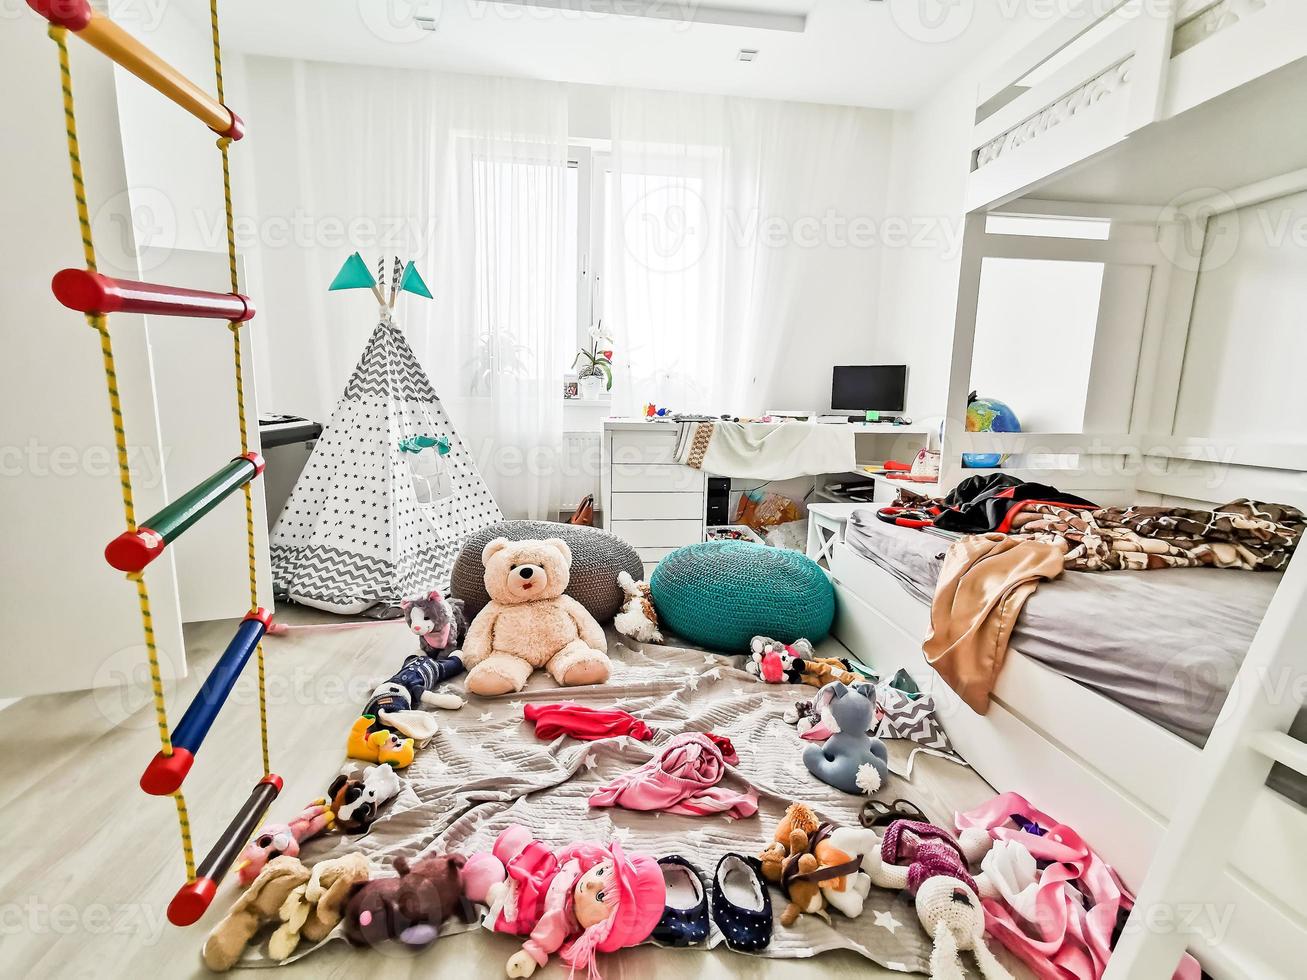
pixel 580 901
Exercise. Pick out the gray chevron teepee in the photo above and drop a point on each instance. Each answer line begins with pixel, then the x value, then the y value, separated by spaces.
pixel 388 496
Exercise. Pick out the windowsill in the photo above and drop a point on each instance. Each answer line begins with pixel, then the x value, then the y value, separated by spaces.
pixel 604 402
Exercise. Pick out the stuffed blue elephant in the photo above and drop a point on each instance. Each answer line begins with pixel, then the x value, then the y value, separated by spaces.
pixel 850 760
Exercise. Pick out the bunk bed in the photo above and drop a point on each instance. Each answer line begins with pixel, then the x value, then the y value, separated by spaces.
pixel 1151 126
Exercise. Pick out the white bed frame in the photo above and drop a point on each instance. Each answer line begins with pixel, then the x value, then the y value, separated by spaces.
pixel 1122 127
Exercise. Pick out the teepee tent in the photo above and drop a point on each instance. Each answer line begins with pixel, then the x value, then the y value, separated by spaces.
pixel 390 492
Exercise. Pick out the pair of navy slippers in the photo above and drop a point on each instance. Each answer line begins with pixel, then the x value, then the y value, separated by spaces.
pixel 741 905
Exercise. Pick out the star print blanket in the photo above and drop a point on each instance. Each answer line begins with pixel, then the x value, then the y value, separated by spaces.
pixel 485 769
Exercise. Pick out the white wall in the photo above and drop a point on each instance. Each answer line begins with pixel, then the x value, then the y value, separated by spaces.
pixel 69 620
pixel 1243 360
pixel 927 193
pixel 175 188
pixel 1035 327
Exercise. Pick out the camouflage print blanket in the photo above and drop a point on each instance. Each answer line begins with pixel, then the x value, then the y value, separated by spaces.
pixel 1242 534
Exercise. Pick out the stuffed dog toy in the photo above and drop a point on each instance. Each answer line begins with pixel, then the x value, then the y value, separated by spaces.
pixel 356 800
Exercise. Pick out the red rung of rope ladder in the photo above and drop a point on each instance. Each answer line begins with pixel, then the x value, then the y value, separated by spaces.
pixel 91 292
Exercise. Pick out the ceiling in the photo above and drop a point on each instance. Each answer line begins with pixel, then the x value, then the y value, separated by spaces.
pixel 880 53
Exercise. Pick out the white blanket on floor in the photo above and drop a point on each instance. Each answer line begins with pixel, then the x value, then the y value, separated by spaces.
pixel 766 452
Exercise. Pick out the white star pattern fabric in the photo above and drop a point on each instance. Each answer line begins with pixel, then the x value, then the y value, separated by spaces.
pixel 487 715
pixel 886 920
pixel 354 529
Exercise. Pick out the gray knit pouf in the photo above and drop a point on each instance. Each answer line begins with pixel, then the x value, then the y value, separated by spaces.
pixel 597 557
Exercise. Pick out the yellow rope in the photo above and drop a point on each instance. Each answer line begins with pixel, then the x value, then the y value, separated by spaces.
pixel 98 322
pixel 224 143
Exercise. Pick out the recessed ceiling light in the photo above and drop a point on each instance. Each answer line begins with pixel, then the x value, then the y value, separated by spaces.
pixel 747 54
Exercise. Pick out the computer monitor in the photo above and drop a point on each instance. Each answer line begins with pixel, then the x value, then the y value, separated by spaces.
pixel 869 387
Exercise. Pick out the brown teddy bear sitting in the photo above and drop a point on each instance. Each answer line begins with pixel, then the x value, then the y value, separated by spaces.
pixel 530 623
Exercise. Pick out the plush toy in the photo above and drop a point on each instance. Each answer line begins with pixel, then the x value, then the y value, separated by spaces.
pixel 850 760
pixel 813 719
pixel 356 800
pixel 258 906
pixel 530 623
pixel 370 741
pixel 637 618
pixel 393 701
pixel 933 866
pixel 409 908
pixel 438 623
pixel 583 900
pixel 313 909
pixel 818 864
pixel 275 839
pixel 775 662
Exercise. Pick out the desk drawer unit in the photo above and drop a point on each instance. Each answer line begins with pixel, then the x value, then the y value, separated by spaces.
pixel 646 506
pixel 658 534
pixel 656 478
pixel 654 446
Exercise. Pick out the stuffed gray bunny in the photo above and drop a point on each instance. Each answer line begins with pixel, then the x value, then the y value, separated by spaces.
pixel 850 760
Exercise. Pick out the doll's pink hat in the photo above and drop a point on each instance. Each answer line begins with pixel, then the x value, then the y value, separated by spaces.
pixel 643 893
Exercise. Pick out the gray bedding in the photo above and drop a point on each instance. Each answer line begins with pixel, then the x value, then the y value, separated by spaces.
pixel 1166 644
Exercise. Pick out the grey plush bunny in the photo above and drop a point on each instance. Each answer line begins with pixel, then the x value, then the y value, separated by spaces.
pixel 850 760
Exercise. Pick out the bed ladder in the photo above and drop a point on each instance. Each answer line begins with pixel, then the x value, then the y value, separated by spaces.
pixel 1249 737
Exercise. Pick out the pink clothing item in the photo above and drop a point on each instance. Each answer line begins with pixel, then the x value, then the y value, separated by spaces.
pixel 586 724
pixel 530 866
pixel 683 779
pixel 557 920
pixel 1077 899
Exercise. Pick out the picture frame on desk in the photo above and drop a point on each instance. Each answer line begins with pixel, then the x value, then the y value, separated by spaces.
pixel 571 387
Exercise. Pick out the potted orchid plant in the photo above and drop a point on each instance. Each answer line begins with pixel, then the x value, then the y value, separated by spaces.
pixel 596 376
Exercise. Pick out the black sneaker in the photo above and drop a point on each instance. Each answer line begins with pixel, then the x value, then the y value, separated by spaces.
pixel 741 905
pixel 685 916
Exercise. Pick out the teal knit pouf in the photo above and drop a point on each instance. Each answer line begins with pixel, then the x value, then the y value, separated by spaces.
pixel 721 594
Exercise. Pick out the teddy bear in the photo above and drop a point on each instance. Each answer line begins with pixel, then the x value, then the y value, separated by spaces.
pixel 356 800
pixel 258 905
pixel 408 908
pixel 850 760
pixel 530 623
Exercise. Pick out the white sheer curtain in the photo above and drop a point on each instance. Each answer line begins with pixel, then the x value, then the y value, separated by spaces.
pixel 739 232
pixel 465 175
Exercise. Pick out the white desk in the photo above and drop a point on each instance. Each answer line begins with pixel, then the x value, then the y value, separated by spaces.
pixel 657 505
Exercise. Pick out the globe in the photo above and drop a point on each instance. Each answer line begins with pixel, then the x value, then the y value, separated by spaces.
pixel 989 415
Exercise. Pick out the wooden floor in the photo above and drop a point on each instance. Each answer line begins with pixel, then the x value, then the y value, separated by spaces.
pixel 90 862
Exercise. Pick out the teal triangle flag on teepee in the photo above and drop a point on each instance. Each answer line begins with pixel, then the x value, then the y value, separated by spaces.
pixel 412 282
pixel 353 274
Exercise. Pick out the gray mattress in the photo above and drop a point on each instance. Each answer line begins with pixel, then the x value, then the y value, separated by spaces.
pixel 1166 644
